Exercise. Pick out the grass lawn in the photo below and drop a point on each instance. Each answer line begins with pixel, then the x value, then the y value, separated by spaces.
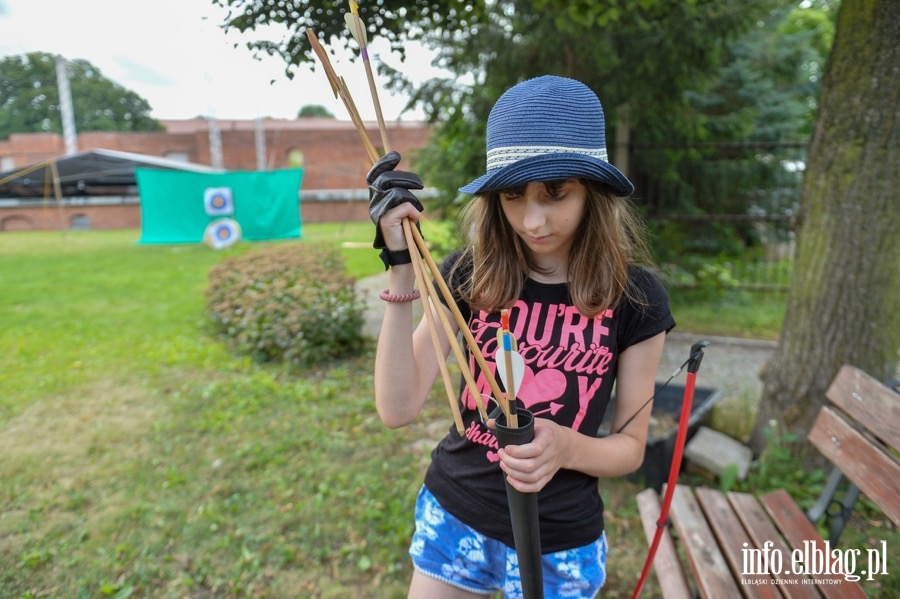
pixel 732 313
pixel 142 459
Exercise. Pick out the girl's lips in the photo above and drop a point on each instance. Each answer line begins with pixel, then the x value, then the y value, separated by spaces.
pixel 538 240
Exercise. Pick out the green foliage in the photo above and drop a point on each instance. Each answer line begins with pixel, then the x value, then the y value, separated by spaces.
pixel 728 478
pixel 394 20
pixel 745 152
pixel 287 303
pixel 690 244
pixel 711 261
pixel 314 110
pixel 639 59
pixel 712 74
pixel 31 103
pixel 767 86
pixel 780 466
pixel 442 237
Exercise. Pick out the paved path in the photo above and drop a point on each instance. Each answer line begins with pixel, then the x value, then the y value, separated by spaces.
pixel 729 364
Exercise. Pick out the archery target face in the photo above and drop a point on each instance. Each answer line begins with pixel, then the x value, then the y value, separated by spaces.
pixel 222 233
pixel 218 201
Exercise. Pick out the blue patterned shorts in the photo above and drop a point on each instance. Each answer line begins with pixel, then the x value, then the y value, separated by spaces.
pixel 446 549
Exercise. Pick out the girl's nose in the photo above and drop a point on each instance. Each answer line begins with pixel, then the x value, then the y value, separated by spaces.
pixel 534 216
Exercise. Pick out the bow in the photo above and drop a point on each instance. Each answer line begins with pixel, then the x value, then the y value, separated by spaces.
pixel 693 365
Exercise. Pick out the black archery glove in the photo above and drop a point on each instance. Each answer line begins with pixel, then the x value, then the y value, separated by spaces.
pixel 389 188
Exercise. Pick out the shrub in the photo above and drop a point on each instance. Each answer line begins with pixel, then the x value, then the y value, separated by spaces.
pixel 287 303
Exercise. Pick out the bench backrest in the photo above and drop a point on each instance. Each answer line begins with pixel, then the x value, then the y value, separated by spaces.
pixel 860 435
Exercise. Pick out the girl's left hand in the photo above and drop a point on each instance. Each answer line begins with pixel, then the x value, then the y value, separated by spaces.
pixel 530 467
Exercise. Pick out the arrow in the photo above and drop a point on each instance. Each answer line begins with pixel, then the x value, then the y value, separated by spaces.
pixel 358 31
pixel 339 87
pixel 518 362
pixel 510 375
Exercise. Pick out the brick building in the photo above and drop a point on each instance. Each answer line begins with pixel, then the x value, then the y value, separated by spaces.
pixel 330 151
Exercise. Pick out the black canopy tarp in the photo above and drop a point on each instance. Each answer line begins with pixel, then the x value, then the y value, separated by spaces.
pixel 94 172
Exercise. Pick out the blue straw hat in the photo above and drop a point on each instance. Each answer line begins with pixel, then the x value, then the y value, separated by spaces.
pixel 547 129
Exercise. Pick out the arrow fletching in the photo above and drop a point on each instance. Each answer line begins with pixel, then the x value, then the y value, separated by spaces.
pixel 509 367
pixel 355 26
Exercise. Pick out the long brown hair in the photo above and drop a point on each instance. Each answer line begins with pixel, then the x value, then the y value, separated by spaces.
pixel 611 237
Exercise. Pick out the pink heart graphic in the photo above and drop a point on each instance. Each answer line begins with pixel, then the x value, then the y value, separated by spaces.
pixel 546 386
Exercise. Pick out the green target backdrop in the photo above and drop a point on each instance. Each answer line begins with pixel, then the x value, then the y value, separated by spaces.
pixel 173 210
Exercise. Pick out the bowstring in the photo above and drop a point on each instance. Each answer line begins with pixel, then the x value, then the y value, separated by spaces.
pixel 652 397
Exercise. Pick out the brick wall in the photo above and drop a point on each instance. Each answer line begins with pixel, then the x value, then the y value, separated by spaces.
pixel 333 156
pixel 50 217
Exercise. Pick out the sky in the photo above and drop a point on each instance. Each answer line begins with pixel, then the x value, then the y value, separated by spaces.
pixel 173 54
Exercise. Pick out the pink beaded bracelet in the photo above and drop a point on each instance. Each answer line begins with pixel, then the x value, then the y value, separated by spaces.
pixel 399 298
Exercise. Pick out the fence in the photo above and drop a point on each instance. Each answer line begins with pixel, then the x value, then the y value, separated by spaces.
pixel 722 213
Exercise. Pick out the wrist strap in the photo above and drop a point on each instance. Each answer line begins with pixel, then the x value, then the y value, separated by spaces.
pixel 399 298
pixel 394 258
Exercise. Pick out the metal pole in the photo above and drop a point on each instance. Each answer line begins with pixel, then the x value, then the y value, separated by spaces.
pixel 260 144
pixel 215 142
pixel 65 106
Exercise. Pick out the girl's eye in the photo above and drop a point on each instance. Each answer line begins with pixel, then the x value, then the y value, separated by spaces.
pixel 510 196
pixel 558 195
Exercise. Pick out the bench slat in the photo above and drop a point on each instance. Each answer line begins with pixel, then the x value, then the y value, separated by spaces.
pixel 707 563
pixel 760 530
pixel 732 540
pixel 668 570
pixel 797 530
pixel 863 462
pixel 869 402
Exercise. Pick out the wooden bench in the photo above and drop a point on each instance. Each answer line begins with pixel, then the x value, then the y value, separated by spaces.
pixel 739 545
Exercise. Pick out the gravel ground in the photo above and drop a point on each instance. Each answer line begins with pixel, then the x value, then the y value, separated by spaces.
pixel 730 365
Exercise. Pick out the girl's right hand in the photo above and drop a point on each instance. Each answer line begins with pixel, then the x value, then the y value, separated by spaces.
pixel 390 225
pixel 390 198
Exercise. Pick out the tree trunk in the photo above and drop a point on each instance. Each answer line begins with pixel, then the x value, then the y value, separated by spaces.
pixel 844 300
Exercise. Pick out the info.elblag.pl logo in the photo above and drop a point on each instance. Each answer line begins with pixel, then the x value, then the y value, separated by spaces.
pixel 814 561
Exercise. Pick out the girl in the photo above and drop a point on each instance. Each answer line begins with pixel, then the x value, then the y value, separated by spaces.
pixel 552 238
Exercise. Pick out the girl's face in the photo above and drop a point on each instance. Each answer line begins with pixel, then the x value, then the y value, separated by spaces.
pixel 546 217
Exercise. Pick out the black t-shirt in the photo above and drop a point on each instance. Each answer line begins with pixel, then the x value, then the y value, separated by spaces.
pixel 570 363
